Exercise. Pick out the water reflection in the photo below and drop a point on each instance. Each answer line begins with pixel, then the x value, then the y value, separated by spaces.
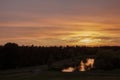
pixel 81 66
pixel 69 69
pixel 84 66
pixel 89 64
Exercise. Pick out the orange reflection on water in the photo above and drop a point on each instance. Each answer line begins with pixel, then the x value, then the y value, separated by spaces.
pixel 90 62
pixel 82 67
pixel 70 69
pixel 86 66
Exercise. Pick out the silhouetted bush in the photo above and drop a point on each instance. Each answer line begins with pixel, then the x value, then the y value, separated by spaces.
pixel 107 60
pixel 9 56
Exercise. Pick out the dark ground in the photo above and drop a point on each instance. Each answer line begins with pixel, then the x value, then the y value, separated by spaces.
pixel 34 73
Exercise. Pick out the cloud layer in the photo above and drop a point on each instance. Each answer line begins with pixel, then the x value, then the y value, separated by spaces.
pixel 60 22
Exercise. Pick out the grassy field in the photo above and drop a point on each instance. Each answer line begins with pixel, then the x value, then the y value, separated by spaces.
pixel 32 74
pixel 60 76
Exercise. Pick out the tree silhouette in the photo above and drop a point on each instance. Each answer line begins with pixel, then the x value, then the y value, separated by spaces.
pixel 14 56
pixel 10 51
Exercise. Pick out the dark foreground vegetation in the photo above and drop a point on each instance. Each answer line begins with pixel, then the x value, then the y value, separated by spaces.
pixel 13 56
pixel 62 76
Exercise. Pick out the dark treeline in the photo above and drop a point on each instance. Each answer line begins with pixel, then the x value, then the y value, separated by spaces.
pixel 14 56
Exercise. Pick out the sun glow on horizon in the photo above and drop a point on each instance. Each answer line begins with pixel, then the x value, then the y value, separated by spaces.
pixel 86 38
pixel 90 40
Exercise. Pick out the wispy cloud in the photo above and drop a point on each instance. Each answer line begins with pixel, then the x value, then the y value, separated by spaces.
pixel 56 22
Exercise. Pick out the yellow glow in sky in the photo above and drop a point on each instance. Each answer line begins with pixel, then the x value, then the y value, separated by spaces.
pixel 88 40
pixel 60 22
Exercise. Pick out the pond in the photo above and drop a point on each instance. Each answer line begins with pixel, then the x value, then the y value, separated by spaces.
pixel 83 66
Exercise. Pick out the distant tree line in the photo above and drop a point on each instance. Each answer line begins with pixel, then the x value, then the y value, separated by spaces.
pixel 14 56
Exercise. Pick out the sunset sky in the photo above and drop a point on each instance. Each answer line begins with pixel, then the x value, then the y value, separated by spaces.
pixel 60 22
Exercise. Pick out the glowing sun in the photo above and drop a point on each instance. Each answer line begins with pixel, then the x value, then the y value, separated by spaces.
pixel 87 40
